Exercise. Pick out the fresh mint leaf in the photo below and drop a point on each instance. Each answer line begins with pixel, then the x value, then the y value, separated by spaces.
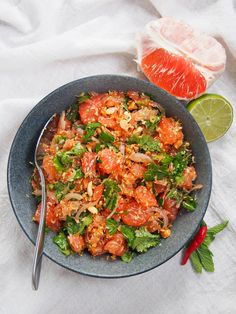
pixel 111 226
pixel 144 240
pixel 127 257
pixel 218 228
pixel 129 234
pixel 211 232
pixel 90 129
pixel 110 193
pixel 196 262
pixel 206 258
pixel 61 241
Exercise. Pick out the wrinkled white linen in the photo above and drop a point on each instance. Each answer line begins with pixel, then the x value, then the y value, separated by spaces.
pixel 44 44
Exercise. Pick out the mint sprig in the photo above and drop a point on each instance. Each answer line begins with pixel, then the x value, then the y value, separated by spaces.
pixel 202 258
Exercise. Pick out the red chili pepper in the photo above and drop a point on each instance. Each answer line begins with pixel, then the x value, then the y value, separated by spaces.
pixel 197 241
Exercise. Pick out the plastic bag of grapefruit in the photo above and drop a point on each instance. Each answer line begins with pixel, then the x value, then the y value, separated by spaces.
pixel 180 60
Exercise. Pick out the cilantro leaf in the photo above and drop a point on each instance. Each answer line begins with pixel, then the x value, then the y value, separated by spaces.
pixel 61 161
pixel 152 123
pixel 144 240
pixel 61 241
pixel 180 162
pixel 106 138
pixel 61 189
pixel 127 257
pixel 146 142
pixel 129 234
pixel 71 226
pixel 90 129
pixel 206 259
pixel 155 172
pixel 110 193
pixel 196 262
pixel 111 226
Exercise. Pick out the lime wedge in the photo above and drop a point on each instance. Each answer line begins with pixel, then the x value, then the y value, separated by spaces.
pixel 214 115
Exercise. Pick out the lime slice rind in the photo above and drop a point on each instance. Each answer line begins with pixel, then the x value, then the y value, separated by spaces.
pixel 214 115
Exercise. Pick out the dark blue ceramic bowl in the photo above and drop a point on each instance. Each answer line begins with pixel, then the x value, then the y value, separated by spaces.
pixel 20 170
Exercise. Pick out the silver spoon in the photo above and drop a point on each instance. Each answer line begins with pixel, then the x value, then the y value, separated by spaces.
pixel 41 229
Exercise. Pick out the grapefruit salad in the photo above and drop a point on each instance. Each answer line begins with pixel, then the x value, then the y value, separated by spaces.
pixel 117 173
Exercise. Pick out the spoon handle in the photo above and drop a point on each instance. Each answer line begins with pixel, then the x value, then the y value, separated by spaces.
pixel 40 236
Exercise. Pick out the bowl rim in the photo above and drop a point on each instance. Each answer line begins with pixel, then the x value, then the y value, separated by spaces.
pixel 178 102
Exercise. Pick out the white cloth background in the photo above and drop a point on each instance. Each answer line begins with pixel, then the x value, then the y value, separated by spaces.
pixel 44 44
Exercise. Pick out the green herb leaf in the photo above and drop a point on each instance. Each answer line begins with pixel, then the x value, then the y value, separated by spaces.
pixel 196 262
pixel 129 234
pixel 144 240
pixel 189 203
pixel 78 150
pixel 111 226
pixel 218 228
pixel 62 161
pixel 152 123
pixel 125 104
pixel 180 162
pixel 106 138
pixel 98 147
pixel 72 227
pixel 155 172
pixel 175 194
pixel 61 189
pixel 72 113
pixel 90 129
pixel 61 241
pixel 78 174
pixel 127 257
pixel 211 232
pixel 59 139
pixel 206 259
pixel 110 193
pixel 83 97
pixel 146 142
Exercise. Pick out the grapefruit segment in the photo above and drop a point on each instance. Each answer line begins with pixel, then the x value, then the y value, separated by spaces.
pixel 173 73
